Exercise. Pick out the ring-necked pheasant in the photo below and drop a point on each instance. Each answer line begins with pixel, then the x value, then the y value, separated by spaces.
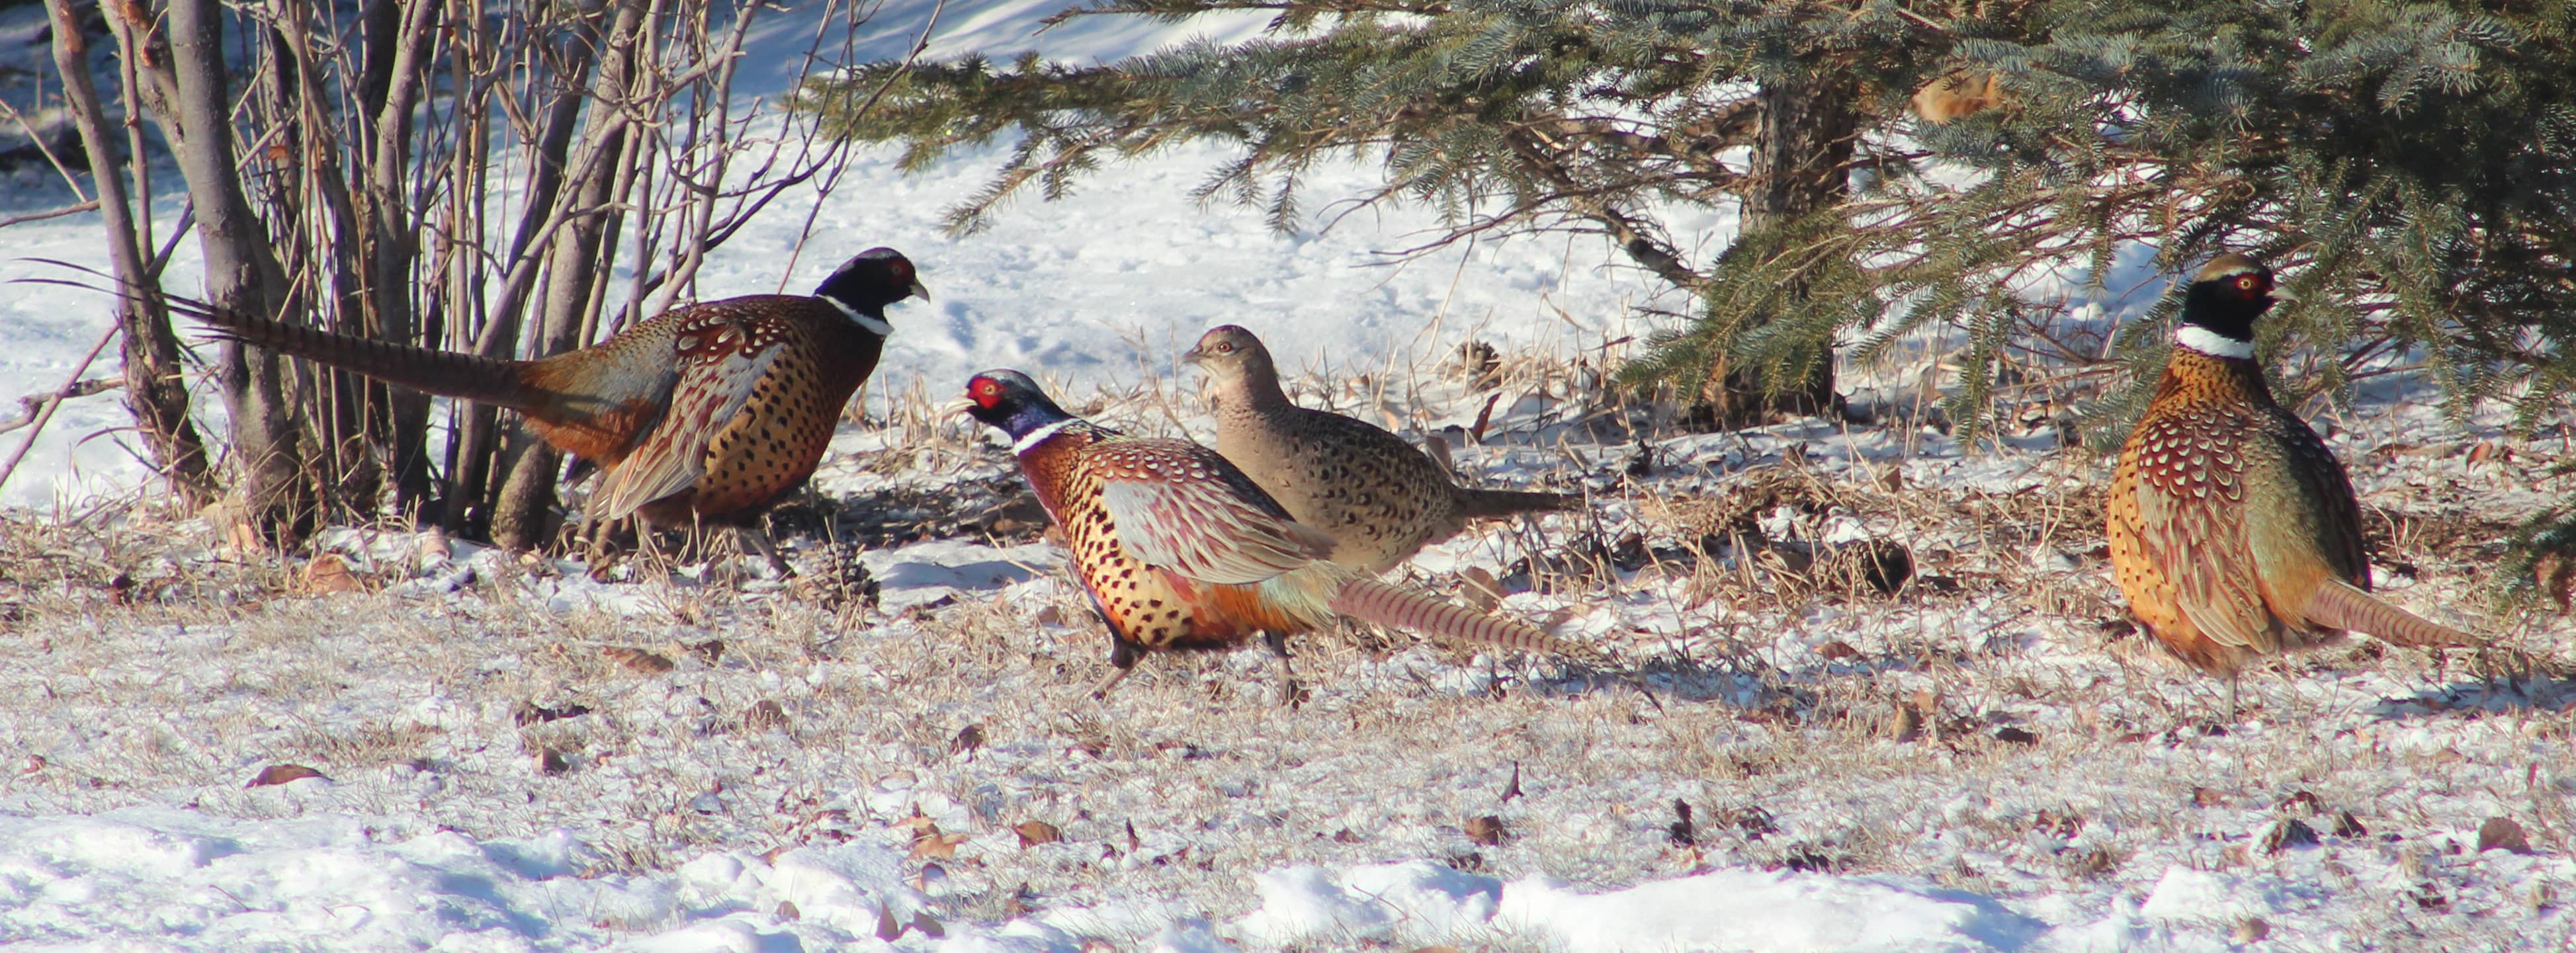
pixel 2234 531
pixel 1180 550
pixel 1379 496
pixel 703 415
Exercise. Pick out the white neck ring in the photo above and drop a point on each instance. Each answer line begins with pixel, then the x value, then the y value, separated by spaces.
pixel 876 326
pixel 2203 340
pixel 1040 435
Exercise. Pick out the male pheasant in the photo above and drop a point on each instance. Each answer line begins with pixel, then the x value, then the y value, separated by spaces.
pixel 1380 497
pixel 2234 531
pixel 704 415
pixel 1180 550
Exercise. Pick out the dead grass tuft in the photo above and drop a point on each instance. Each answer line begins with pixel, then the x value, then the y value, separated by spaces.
pixel 365 746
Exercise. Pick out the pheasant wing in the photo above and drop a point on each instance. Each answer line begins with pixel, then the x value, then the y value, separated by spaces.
pixel 2192 505
pixel 2327 490
pixel 721 362
pixel 1180 506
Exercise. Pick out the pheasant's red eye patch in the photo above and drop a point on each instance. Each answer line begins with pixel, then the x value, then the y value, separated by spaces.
pixel 985 392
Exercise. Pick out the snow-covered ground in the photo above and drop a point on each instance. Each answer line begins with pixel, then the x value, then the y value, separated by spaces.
pixel 513 756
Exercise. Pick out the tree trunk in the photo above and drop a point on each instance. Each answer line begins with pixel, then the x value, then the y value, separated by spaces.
pixel 307 203
pixel 1805 131
pixel 500 336
pixel 519 515
pixel 241 274
pixel 402 432
pixel 155 391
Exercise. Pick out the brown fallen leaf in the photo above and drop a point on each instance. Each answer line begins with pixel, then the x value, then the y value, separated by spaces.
pixel 328 573
pixel 1905 724
pixel 936 846
pixel 1484 418
pixel 1438 450
pixel 282 774
pixel 1487 830
pixel 968 739
pixel 1033 833
pixel 1836 650
pixel 637 659
pixel 1479 589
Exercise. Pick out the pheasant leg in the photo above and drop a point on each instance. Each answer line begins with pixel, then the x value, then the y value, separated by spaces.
pixel 1122 660
pixel 1290 693
pixel 756 537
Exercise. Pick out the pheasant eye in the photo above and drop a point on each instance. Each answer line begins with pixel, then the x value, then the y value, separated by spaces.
pixel 1225 347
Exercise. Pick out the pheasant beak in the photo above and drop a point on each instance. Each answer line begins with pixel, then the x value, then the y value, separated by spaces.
pixel 957 407
pixel 1193 355
pixel 2280 296
pixel 918 291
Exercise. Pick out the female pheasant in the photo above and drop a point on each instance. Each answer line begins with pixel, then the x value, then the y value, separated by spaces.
pixel 1380 498
pixel 1180 550
pixel 2233 528
pixel 707 414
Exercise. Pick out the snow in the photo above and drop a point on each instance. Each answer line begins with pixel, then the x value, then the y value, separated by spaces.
pixel 495 779
pixel 190 881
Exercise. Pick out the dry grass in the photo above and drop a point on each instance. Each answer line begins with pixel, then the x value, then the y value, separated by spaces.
pixel 1978 727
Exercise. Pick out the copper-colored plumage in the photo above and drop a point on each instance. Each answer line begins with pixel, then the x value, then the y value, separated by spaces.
pixel 1380 497
pixel 706 414
pixel 2234 531
pixel 1180 550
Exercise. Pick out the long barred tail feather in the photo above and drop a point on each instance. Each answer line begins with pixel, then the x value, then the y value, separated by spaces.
pixel 445 373
pixel 2339 605
pixel 1493 504
pixel 1373 601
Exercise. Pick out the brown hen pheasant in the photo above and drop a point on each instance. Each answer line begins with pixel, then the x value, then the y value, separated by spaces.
pixel 1380 497
pixel 1180 550
pixel 2234 531
pixel 704 415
